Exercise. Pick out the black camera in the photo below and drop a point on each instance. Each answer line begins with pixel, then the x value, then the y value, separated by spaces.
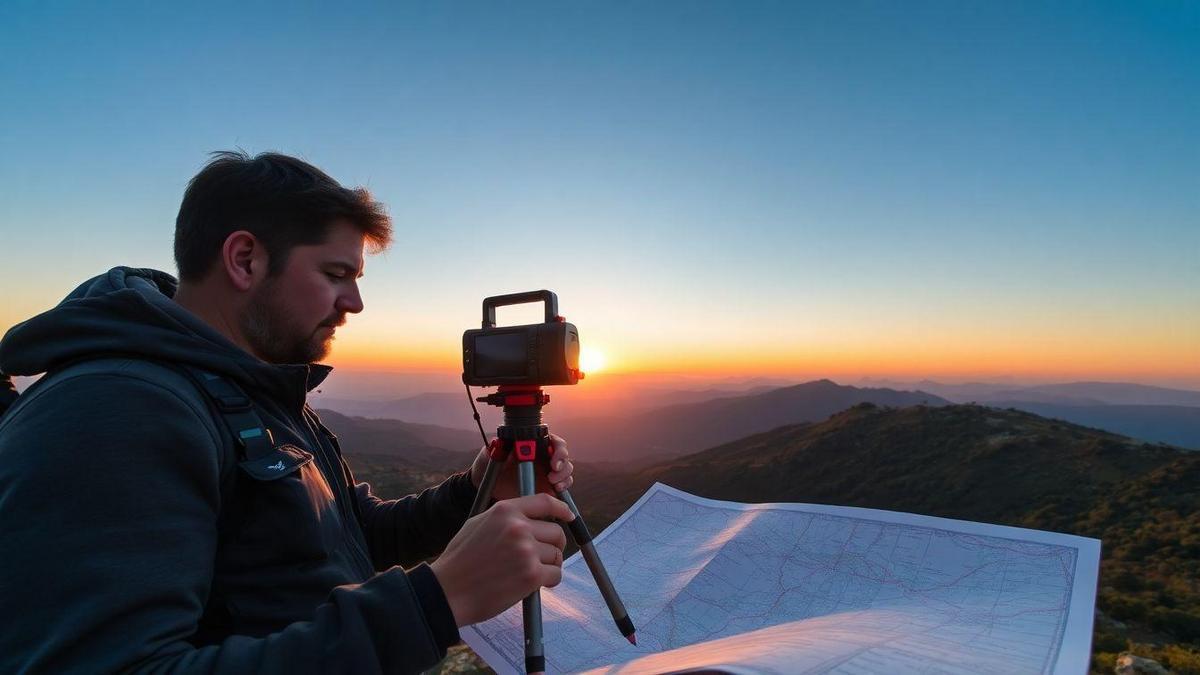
pixel 537 354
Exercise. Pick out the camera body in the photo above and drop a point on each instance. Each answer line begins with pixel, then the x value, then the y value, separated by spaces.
pixel 538 354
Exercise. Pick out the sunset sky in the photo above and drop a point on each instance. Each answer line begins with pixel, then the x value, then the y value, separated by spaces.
pixel 948 190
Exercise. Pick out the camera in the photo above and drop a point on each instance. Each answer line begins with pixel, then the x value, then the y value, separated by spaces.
pixel 538 354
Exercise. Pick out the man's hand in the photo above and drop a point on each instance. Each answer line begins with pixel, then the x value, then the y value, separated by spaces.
pixel 503 555
pixel 553 476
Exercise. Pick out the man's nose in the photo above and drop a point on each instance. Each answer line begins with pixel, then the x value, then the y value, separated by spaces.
pixel 350 302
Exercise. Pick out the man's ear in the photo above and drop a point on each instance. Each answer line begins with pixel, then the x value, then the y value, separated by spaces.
pixel 245 260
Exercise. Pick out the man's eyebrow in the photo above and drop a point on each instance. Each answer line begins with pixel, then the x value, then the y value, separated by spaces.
pixel 346 267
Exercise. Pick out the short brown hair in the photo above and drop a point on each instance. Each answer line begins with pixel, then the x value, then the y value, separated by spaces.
pixel 283 201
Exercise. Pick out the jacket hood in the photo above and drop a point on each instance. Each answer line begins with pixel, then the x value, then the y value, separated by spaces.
pixel 129 312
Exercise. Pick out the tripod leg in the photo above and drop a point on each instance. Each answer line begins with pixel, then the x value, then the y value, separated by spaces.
pixel 484 495
pixel 497 456
pixel 583 539
pixel 531 606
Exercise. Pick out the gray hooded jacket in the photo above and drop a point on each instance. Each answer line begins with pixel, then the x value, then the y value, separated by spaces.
pixel 135 541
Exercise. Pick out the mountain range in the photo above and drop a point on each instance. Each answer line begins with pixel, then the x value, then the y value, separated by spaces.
pixel 646 425
pixel 675 430
pixel 648 435
pixel 441 409
pixel 970 462
pixel 957 461
pixel 453 409
pixel 420 444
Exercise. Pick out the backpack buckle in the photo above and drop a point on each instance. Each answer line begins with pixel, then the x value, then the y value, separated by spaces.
pixel 232 403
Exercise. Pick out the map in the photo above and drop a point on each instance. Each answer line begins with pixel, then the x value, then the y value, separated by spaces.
pixel 803 588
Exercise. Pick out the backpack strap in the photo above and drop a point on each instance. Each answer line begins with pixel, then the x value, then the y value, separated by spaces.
pixel 253 444
pixel 253 438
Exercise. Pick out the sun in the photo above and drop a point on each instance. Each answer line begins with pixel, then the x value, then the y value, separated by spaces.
pixel 590 360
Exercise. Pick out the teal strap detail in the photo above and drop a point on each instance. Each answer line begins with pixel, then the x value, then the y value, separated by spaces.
pixel 253 437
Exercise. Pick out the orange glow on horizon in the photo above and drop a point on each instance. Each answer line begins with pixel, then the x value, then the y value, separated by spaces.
pixel 1148 341
pixel 845 367
pixel 1162 356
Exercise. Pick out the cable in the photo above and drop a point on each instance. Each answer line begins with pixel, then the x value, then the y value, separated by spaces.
pixel 476 411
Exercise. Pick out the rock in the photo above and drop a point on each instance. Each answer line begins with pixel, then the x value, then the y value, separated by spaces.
pixel 1131 664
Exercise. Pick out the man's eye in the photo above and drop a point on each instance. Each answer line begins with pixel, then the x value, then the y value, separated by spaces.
pixel 335 275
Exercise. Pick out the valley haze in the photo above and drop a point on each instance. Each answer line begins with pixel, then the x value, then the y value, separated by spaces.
pixel 642 419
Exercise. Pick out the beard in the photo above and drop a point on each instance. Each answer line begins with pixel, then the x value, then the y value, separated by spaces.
pixel 275 337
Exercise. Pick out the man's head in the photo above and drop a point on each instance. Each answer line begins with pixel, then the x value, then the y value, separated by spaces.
pixel 269 249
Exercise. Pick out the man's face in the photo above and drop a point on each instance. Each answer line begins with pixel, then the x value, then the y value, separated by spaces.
pixel 291 317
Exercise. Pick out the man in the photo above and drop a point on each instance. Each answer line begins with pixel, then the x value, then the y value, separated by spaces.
pixel 139 534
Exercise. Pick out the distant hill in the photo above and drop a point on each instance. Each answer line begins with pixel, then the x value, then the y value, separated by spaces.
pixel 1112 393
pixel 412 442
pixel 674 430
pixel 441 409
pixel 1172 424
pixel 579 401
pixel 979 463
pixel 1070 393
pixel 399 458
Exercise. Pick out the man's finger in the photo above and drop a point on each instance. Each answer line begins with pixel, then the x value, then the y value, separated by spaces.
pixel 561 472
pixel 543 506
pixel 549 533
pixel 551 575
pixel 549 554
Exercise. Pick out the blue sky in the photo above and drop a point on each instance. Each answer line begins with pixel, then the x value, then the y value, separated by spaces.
pixel 854 186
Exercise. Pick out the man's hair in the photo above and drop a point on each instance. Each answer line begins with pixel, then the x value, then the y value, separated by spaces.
pixel 281 200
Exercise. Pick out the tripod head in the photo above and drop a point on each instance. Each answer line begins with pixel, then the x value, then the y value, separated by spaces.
pixel 517 396
pixel 523 426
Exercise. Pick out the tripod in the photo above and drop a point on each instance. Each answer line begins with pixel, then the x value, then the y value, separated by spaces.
pixel 524 433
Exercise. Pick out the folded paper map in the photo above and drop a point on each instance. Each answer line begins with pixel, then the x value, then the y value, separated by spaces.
pixel 804 588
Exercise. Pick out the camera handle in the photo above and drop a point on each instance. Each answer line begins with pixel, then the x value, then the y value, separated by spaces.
pixel 548 297
pixel 524 433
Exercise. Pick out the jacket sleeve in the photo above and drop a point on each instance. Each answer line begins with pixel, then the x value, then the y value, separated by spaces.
pixel 417 527
pixel 109 494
